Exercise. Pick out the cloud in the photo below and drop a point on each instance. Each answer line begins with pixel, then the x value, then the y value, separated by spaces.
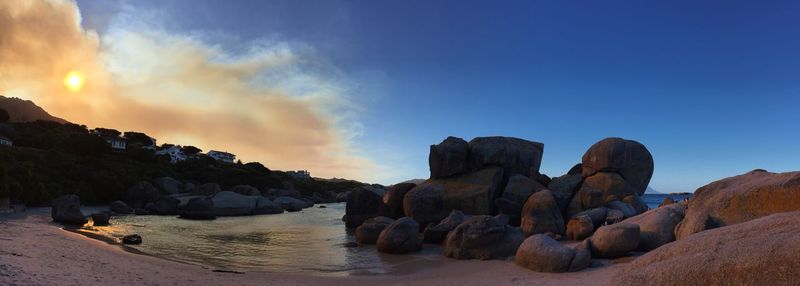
pixel 273 102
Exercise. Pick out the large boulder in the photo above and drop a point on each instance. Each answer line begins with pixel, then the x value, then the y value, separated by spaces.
pixel 169 185
pixel 120 207
pixel 425 203
pixel 598 216
pixel 514 196
pixel 67 210
pixel 393 199
pixel 448 158
pixel 364 203
pixel 541 215
pixel 580 227
pixel 206 189
pixel 163 206
pixel 739 199
pixel 199 209
pixel 627 157
pixel 402 236
pixel 473 193
pixel 611 185
pixel 657 226
pixel 757 252
pixel 616 240
pixel 541 253
pixel 246 190
pixel 228 203
pixel 142 193
pixel 368 232
pixel 514 155
pixel 436 233
pixel 564 188
pixel 266 206
pixel 291 204
pixel 483 237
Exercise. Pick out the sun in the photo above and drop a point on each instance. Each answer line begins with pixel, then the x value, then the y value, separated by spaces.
pixel 74 81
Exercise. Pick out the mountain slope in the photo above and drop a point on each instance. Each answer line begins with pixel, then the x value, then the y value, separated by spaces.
pixel 21 110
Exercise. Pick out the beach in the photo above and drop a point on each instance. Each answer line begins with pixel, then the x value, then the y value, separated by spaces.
pixel 36 251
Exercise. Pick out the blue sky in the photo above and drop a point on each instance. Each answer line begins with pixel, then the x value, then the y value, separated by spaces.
pixel 710 87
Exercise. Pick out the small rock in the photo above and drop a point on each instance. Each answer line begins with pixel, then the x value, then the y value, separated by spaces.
pixel 132 239
pixel 100 219
pixel 612 241
pixel 402 236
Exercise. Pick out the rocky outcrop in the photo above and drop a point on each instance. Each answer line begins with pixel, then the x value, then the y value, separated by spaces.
pixel 133 239
pixel 142 193
pixel 169 185
pixel 514 196
pixel 291 204
pixel 120 207
pixel 402 236
pixel 368 232
pixel 425 203
pixel 628 158
pixel 541 215
pixel 207 189
pixel 364 203
pixel 448 158
pixel 739 199
pixel 483 237
pixel 436 233
pixel 612 241
pixel 266 206
pixel 199 209
pixel 757 252
pixel 514 155
pixel 67 210
pixel 541 253
pixel 473 193
pixel 393 199
pixel 100 219
pixel 163 206
pixel 228 203
pixel 657 226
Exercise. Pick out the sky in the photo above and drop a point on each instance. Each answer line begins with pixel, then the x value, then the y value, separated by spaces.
pixel 360 89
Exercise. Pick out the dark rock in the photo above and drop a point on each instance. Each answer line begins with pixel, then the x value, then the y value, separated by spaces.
pixel 163 206
pixel 597 215
pixel 612 241
pixel 436 233
pixel 628 158
pixel 516 193
pixel 266 206
pixel 483 237
pixel 540 178
pixel 614 216
pixel 206 189
pixel 402 236
pixel 100 219
pixel 393 199
pixel 591 198
pixel 169 185
pixel 579 227
pixel 564 188
pixel 542 253
pixel 132 239
pixel 425 203
pixel 576 170
pixel 142 193
pixel 291 204
pixel 274 193
pixel 627 210
pixel 246 190
pixel 342 197
pixel 141 211
pixel 198 208
pixel 67 210
pixel 510 208
pixel 612 186
pixel 541 215
pixel 448 158
pixel 514 155
pixel 583 257
pixel 120 207
pixel 473 193
pixel 368 232
pixel 229 203
pixel 322 207
pixel 364 203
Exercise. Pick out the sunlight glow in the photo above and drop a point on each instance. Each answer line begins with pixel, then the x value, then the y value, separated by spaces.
pixel 74 81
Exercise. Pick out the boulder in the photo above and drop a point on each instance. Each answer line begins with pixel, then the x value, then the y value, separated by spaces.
pixel 597 215
pixel 291 204
pixel 198 208
pixel 540 178
pixel 169 185
pixel 636 203
pixel 739 199
pixel 583 257
pixel 67 210
pixel 368 232
pixel 577 169
pixel 657 226
pixel 541 215
pixel 142 193
pixel 510 208
pixel 612 186
pixel 761 251
pixel 120 207
pixel 425 203
pixel 626 209
pixel 100 219
pixel 163 206
pixel 579 227
pixel 514 196
pixel 401 236
pixel 591 198
pixel 614 216
pixel 228 203
pixel 364 203
pixel 267 206
pixel 274 193
pixel 246 190
pixel 564 188
pixel 342 197
pixel 393 199
pixel 616 240
pixel 667 201
pixel 473 193
pixel 483 237
pixel 206 189
pixel 436 233
pixel 132 239
pixel 514 155
pixel 541 253
pixel 448 158
pixel 627 157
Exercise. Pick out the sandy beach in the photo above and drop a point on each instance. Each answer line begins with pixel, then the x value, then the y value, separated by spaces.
pixel 35 251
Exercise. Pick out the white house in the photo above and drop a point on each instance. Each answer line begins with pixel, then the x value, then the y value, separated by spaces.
pixel 5 141
pixel 222 156
pixel 175 153
pixel 117 143
pixel 299 174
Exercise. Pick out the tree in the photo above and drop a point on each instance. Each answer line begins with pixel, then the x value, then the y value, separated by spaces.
pixel 4 117
pixel 190 150
pixel 139 139
pixel 106 132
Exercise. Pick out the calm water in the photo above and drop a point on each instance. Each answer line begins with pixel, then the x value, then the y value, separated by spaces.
pixel 311 241
pixel 653 200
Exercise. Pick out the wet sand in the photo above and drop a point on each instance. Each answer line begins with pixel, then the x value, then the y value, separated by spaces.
pixel 35 251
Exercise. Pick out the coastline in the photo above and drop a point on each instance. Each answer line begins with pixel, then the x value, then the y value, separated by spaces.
pixel 35 251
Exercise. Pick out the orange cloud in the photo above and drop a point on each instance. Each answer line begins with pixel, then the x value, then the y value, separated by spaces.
pixel 274 104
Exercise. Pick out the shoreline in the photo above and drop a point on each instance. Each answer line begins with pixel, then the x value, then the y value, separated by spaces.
pixel 35 251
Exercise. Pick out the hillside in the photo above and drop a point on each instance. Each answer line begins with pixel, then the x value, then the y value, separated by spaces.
pixel 21 110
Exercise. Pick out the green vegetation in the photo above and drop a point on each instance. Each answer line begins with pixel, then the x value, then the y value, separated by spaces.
pixel 50 159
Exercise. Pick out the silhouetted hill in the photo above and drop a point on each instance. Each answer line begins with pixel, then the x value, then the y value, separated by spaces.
pixel 21 110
